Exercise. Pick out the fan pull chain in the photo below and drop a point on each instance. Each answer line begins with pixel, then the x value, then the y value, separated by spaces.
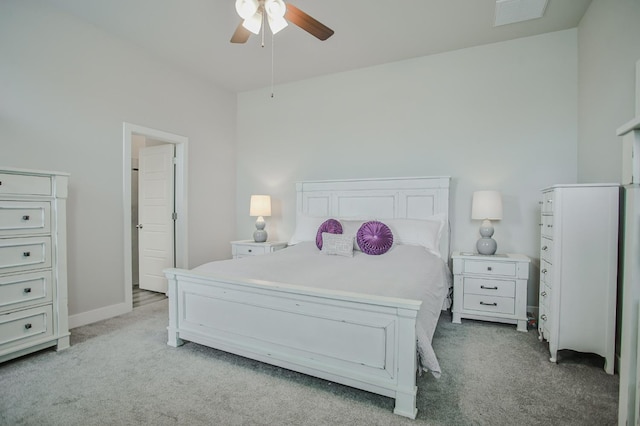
pixel 273 38
pixel 264 23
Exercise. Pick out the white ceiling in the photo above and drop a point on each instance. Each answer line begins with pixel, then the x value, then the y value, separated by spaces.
pixel 194 34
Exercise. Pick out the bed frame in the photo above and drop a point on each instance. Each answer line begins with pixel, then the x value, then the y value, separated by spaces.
pixel 367 342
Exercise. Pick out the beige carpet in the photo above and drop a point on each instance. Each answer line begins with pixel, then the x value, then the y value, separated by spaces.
pixel 121 372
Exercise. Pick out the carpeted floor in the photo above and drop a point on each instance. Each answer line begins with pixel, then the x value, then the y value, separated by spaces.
pixel 121 372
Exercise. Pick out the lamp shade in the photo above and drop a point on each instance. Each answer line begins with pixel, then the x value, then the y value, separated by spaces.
pixel 260 205
pixel 486 205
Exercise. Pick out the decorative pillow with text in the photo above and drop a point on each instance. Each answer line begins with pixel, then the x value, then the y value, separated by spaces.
pixel 337 244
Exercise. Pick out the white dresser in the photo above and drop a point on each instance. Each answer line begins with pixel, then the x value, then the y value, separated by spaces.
pixel 579 269
pixel 33 272
pixel 490 288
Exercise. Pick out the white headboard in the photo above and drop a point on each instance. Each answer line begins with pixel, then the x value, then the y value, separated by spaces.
pixel 386 198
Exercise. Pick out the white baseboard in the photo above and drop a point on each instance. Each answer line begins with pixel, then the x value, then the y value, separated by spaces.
pixel 100 314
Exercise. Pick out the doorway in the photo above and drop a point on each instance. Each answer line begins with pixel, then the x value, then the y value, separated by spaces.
pixel 135 139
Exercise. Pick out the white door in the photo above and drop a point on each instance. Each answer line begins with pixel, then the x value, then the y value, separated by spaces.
pixel 155 215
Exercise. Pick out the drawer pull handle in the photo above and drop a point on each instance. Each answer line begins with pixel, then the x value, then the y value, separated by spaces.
pixel 249 250
pixel 25 217
pixel 27 290
pixel 489 268
pixel 549 226
pixel 544 271
pixel 543 294
pixel 545 248
pixel 544 317
pixel 489 304
pixel 27 326
pixel 488 288
pixel 26 253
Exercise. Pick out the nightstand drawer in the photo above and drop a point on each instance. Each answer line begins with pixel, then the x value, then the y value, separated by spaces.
pixel 477 302
pixel 487 287
pixel 241 250
pixel 488 267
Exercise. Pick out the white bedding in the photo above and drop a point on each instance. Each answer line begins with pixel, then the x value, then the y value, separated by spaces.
pixel 405 271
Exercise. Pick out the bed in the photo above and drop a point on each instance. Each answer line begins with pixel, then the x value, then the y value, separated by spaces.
pixel 365 336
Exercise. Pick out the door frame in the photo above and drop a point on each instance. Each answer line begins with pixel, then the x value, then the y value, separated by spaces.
pixel 180 194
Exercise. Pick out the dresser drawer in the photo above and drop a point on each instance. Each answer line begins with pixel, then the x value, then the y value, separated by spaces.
pixel 489 267
pixel 546 249
pixel 547 202
pixel 493 304
pixel 21 291
pixel 491 287
pixel 545 296
pixel 24 185
pixel 24 327
pixel 546 273
pixel 24 217
pixel 547 226
pixel 23 254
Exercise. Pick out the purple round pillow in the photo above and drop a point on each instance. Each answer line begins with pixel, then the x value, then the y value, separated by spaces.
pixel 331 226
pixel 374 237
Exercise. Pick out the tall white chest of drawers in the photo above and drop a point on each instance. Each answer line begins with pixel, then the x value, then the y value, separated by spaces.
pixel 578 269
pixel 33 272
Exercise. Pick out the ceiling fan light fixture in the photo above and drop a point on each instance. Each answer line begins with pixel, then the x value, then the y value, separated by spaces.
pixel 277 24
pixel 253 23
pixel 247 8
pixel 275 8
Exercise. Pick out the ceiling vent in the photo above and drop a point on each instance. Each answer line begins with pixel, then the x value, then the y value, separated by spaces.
pixel 511 11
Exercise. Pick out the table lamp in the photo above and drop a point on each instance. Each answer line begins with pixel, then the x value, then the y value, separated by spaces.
pixel 486 206
pixel 260 206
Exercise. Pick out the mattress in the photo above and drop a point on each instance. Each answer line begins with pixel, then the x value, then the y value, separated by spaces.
pixel 405 271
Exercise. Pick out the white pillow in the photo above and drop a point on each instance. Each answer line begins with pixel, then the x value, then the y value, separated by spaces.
pixel 337 244
pixel 350 227
pixel 419 232
pixel 306 228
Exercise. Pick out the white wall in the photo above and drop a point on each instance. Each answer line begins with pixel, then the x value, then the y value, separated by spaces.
pixel 608 48
pixel 67 88
pixel 500 116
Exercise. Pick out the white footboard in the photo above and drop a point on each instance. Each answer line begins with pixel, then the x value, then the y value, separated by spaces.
pixel 366 342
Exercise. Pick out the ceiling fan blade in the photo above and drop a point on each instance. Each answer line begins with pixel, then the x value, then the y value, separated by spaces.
pixel 307 23
pixel 241 35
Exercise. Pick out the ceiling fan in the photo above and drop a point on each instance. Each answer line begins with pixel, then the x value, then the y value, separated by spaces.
pixel 276 13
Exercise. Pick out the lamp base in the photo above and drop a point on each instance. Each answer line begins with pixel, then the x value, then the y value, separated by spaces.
pixel 259 235
pixel 486 246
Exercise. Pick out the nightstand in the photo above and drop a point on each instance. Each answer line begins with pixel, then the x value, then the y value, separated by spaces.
pixel 490 288
pixel 248 248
